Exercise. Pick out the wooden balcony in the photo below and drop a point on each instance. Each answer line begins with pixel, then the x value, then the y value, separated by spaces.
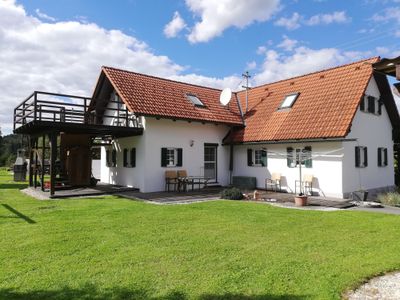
pixel 44 112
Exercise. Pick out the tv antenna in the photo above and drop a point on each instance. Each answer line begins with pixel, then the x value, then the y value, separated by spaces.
pixel 246 75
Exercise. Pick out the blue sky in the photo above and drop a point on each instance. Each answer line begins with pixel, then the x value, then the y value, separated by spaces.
pixel 60 45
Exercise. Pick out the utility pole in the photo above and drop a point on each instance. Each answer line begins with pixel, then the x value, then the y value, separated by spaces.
pixel 246 76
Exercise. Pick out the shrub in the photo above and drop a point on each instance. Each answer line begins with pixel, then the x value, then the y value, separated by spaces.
pixel 392 199
pixel 232 194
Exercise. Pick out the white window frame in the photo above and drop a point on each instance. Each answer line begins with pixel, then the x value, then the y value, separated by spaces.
pixel 377 105
pixel 257 160
pixel 289 100
pixel 172 157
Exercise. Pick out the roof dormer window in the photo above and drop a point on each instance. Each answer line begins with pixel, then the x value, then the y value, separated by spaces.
pixel 289 100
pixel 195 100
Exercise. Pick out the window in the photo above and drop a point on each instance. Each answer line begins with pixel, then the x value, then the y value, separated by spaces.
pixel 171 157
pixel 289 100
pixel 371 104
pixel 257 157
pixel 195 100
pixel 382 157
pixel 298 156
pixel 361 156
pixel 130 161
pixel 111 158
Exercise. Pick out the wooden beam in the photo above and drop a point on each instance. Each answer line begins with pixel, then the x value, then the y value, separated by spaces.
pixel 43 161
pixel 31 143
pixel 53 154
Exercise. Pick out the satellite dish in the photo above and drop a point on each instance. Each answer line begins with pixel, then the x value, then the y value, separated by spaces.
pixel 225 96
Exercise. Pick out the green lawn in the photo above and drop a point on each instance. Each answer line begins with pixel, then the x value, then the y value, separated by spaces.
pixel 112 248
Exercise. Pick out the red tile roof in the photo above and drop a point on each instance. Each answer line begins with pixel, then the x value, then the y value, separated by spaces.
pixel 153 96
pixel 325 108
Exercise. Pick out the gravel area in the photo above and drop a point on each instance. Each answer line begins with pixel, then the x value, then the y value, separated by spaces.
pixel 384 287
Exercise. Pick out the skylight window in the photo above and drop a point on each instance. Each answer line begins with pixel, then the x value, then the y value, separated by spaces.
pixel 289 100
pixel 195 100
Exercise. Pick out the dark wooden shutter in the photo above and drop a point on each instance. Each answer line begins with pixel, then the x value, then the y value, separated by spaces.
pixel 179 163
pixel 379 157
pixel 358 158
pixel 289 154
pixel 133 157
pixel 164 157
pixel 385 157
pixel 125 158
pixel 114 157
pixel 108 158
pixel 365 157
pixel 308 162
pixel 362 103
pixel 371 104
pixel 264 159
pixel 249 157
pixel 380 107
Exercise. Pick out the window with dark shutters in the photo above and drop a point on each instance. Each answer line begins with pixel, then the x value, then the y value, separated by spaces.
pixel 362 104
pixel 171 157
pixel 361 156
pixel 264 158
pixel 249 157
pixel 382 157
pixel 385 156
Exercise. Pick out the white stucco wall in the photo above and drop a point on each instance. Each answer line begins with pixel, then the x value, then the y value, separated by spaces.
pixel 96 168
pixel 372 131
pixel 326 169
pixel 148 175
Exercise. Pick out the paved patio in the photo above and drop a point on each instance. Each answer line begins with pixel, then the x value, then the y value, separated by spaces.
pixel 213 193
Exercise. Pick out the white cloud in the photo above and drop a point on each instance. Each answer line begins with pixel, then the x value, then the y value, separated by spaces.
pixel 216 16
pixel 43 16
pixel 173 28
pixel 303 60
pixel 335 17
pixel 290 23
pixel 297 20
pixel 251 65
pixel 287 44
pixel 261 50
pixel 220 83
pixel 63 57
pixel 389 14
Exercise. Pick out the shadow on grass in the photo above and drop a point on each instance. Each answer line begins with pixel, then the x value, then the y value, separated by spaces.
pixel 10 186
pixel 91 292
pixel 18 214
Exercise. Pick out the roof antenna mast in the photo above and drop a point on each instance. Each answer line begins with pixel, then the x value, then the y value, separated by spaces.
pixel 246 76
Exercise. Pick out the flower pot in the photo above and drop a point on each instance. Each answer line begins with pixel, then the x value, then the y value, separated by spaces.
pixel 300 200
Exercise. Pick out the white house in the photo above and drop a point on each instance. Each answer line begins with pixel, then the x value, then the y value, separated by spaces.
pixel 340 120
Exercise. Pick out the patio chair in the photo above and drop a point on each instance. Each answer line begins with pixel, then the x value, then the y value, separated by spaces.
pixel 306 185
pixel 274 182
pixel 171 178
pixel 183 181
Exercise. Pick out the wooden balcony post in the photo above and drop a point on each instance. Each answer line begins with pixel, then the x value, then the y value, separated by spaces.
pixel 31 143
pixel 34 105
pixel 43 161
pixel 53 154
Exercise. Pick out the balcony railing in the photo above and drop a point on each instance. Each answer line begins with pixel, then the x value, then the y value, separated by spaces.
pixel 70 109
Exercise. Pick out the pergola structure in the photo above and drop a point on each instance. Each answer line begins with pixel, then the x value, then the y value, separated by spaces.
pixel 64 128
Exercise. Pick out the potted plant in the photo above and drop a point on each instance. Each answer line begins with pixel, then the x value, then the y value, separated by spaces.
pixel 300 200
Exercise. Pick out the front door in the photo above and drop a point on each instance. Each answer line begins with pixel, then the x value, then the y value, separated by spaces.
pixel 210 161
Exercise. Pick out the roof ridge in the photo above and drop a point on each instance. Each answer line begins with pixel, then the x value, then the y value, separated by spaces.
pixel 316 72
pixel 161 78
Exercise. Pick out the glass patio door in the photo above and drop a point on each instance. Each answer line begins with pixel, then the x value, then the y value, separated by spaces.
pixel 210 162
